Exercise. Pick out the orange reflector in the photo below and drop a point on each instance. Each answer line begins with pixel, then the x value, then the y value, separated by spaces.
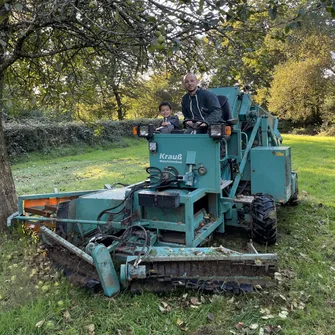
pixel 227 130
pixel 134 130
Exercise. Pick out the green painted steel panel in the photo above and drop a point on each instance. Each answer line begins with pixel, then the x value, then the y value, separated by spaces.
pixel 178 150
pixel 106 271
pixel 245 107
pixel 164 214
pixel 115 193
pixel 234 145
pixel 271 171
pixel 89 206
pixel 191 157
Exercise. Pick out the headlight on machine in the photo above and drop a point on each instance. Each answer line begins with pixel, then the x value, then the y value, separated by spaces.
pixel 219 131
pixel 144 130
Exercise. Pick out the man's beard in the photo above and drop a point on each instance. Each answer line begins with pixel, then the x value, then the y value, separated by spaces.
pixel 192 91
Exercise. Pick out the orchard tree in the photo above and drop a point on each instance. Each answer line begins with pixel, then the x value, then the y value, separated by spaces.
pixel 298 91
pixel 251 50
pixel 135 33
pixel 150 92
pixel 304 76
pixel 43 29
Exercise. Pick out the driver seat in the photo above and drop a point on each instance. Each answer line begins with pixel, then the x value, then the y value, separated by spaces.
pixel 224 104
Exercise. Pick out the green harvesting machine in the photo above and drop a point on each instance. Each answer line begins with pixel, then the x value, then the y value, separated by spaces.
pixel 157 234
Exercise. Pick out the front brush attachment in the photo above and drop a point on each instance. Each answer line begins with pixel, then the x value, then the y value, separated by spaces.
pixel 161 269
pixel 204 269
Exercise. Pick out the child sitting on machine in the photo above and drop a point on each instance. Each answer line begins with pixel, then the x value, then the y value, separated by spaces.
pixel 170 122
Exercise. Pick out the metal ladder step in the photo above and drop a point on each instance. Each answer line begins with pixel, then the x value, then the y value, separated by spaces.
pixel 225 183
pixel 244 199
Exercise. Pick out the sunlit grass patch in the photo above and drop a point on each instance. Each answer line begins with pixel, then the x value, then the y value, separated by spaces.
pixel 313 158
pixel 85 171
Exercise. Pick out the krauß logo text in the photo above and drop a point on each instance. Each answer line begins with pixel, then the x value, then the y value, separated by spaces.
pixel 165 158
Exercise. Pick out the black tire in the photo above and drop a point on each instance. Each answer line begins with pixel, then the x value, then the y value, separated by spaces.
pixel 264 219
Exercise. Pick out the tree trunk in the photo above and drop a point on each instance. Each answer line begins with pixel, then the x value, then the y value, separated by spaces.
pixel 120 115
pixel 8 202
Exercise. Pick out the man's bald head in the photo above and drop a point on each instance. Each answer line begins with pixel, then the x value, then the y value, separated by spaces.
pixel 190 83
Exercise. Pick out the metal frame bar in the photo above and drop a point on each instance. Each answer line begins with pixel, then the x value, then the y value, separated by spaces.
pixel 54 220
pixel 244 159
pixel 82 254
pixel 165 254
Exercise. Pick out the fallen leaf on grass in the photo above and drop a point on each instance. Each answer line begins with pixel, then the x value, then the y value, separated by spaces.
pixel 91 329
pixel 270 330
pixel 39 324
pixel 283 314
pixel 253 326
pixel 240 325
pixel 265 311
pixel 164 304
pixel 281 296
pixel 67 315
pixel 266 317
pixel 195 301
pixel 179 322
pixel 164 307
pixel 182 325
pixel 288 274
pixel 231 300
pixel 303 255
pixel 210 317
pixel 278 276
pixel 294 304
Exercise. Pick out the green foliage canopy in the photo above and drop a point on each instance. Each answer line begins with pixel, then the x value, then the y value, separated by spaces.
pixel 298 91
pixel 304 77
pixel 76 55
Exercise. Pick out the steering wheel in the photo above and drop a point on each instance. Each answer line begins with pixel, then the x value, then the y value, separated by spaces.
pixel 195 124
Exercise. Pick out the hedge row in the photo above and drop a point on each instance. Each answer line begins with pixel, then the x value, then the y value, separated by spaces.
pixel 37 136
pixel 41 136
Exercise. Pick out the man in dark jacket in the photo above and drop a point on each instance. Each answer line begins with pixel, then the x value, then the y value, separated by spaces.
pixel 200 104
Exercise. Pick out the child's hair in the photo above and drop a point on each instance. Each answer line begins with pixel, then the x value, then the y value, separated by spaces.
pixel 165 103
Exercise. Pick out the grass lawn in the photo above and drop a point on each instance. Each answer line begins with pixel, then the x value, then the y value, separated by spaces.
pixel 35 299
